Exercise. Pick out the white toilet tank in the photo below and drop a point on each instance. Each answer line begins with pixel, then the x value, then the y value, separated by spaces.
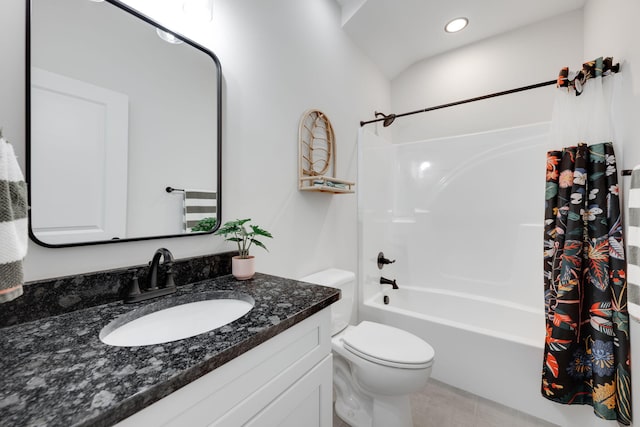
pixel 346 282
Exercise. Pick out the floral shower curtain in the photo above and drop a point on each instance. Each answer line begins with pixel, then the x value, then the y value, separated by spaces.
pixel 586 356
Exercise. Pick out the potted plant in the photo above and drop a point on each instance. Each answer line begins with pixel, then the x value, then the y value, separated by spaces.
pixel 243 265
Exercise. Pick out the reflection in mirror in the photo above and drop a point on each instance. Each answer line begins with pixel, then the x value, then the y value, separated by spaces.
pixel 116 115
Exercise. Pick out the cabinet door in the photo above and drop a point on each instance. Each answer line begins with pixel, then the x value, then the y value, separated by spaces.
pixel 306 403
pixel 232 395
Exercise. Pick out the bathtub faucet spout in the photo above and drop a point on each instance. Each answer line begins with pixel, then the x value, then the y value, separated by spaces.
pixel 385 281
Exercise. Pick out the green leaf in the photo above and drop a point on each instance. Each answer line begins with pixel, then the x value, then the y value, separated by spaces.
pixel 205 224
pixel 596 152
pixel 260 232
pixel 622 322
pixel 574 216
pixel 551 190
pixel 259 243
pixel 227 229
pixel 595 176
pixel 623 385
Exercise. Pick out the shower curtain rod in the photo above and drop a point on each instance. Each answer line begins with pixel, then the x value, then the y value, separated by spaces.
pixel 389 118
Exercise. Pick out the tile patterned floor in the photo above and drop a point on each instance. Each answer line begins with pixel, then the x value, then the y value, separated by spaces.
pixel 440 405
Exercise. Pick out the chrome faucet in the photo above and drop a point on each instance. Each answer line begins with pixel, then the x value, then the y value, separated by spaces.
pixel 135 294
pixel 385 281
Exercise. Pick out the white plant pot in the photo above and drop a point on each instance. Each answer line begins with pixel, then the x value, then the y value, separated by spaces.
pixel 243 268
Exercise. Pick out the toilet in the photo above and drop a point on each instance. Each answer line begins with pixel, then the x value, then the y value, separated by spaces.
pixel 375 367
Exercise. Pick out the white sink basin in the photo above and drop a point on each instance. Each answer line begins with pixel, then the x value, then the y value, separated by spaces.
pixel 173 323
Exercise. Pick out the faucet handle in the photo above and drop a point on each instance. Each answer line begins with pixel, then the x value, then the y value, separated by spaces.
pixel 382 261
pixel 134 286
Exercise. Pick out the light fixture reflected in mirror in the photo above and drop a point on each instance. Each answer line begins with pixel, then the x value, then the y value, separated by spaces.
pixel 168 37
pixel 201 10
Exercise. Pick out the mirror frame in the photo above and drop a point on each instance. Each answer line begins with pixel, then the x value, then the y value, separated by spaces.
pixel 218 118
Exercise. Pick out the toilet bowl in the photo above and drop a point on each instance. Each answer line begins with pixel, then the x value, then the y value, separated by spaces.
pixel 376 366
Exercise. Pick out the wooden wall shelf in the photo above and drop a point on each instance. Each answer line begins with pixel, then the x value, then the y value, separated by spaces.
pixel 326 184
pixel 317 156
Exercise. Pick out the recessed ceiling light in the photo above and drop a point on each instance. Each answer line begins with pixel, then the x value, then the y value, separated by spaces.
pixel 456 25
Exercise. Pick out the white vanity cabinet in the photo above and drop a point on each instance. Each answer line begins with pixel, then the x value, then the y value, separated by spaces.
pixel 285 381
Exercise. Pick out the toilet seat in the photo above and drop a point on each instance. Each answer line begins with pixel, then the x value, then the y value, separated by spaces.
pixel 388 346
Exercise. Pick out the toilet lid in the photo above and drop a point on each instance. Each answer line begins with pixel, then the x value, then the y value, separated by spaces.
pixel 388 346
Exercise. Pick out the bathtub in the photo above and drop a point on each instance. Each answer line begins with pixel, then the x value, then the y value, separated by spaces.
pixel 488 347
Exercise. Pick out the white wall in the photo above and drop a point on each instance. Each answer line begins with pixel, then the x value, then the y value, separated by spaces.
pixel 279 58
pixel 611 29
pixel 529 55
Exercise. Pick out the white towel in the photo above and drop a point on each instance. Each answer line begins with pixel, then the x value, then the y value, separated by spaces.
pixel 198 205
pixel 13 224
pixel 633 242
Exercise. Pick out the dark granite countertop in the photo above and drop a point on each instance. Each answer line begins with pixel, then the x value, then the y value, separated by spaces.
pixel 57 372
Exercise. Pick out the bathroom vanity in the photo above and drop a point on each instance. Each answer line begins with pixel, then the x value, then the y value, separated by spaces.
pixel 272 366
pixel 286 381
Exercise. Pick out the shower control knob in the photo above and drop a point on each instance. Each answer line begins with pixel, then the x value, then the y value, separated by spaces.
pixel 382 261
